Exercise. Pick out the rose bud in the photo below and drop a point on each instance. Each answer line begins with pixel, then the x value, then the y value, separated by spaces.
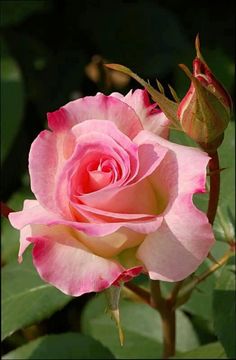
pixel 205 110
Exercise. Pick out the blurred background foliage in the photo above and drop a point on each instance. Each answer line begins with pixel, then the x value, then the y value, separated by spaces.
pixel 52 51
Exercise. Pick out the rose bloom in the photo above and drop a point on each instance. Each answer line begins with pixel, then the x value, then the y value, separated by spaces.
pixel 114 197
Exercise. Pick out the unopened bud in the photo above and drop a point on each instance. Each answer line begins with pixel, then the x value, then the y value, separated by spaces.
pixel 205 110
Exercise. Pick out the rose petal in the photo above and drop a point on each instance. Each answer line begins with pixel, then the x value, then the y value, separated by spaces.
pixel 124 199
pixel 40 216
pixel 32 213
pixel 47 156
pixel 109 216
pixel 103 128
pixel 195 235
pixel 180 244
pixel 150 157
pixel 99 179
pixel 66 263
pixel 153 120
pixel 24 243
pixel 111 245
pixel 127 275
pixel 98 107
pixel 189 167
pixel 73 179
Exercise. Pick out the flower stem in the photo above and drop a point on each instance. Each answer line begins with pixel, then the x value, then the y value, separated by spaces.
pixel 214 187
pixel 215 267
pixel 167 312
pixel 142 294
pixel 169 331
pixel 187 289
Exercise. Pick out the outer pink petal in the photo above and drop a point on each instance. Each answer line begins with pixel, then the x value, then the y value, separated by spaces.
pixel 47 156
pixel 25 231
pixel 98 107
pixel 152 119
pixel 67 264
pixel 127 275
pixel 32 213
pixel 189 164
pixel 180 245
pixel 37 215
pixel 190 226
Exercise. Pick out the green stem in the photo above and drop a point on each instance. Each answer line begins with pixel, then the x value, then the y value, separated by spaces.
pixel 167 312
pixel 174 293
pixel 215 267
pixel 157 300
pixel 187 290
pixel 169 331
pixel 214 170
pixel 141 293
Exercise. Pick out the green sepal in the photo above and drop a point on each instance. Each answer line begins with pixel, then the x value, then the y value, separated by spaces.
pixel 168 106
pixel 113 298
pixel 208 117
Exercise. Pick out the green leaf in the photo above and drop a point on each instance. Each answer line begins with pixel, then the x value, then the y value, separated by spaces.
pixel 224 308
pixel 62 346
pixel 9 242
pixel 142 329
pixel 12 102
pixel 209 351
pixel 26 299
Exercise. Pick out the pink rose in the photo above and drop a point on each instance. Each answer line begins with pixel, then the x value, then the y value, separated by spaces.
pixel 114 197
